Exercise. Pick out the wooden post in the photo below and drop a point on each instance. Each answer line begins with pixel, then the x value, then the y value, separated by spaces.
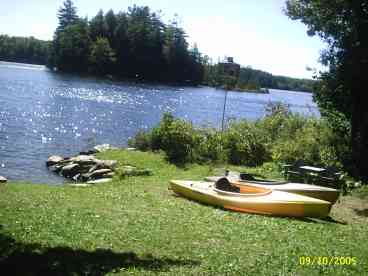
pixel 223 111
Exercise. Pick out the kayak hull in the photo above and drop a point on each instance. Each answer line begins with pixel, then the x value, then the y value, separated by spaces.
pixel 265 202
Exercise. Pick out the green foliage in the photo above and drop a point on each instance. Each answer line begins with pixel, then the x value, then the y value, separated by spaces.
pixel 252 79
pixel 24 49
pixel 73 48
pixel 342 25
pixel 280 136
pixel 243 146
pixel 181 142
pixel 140 46
pixel 102 57
pixel 210 146
pixel 98 26
pixel 176 137
pixel 142 141
pixel 67 15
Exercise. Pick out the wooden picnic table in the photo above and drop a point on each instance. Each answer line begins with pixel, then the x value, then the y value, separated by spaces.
pixel 311 169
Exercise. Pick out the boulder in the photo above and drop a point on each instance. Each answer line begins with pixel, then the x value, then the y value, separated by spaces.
pixel 70 170
pixel 3 179
pixel 93 168
pixel 84 160
pixel 82 167
pixel 106 164
pixel 76 177
pixel 53 160
pixel 97 181
pixel 109 175
pixel 99 173
pixel 57 167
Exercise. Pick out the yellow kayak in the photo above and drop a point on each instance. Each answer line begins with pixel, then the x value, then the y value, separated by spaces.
pixel 255 200
pixel 319 192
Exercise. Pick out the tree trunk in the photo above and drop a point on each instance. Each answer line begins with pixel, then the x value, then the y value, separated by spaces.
pixel 359 123
pixel 359 85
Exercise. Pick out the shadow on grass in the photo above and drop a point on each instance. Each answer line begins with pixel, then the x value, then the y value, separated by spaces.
pixel 318 220
pixel 33 259
pixel 332 220
pixel 361 212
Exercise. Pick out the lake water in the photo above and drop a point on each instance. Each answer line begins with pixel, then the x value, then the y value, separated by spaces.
pixel 44 113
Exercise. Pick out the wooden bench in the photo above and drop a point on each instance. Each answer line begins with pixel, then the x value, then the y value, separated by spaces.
pixel 329 176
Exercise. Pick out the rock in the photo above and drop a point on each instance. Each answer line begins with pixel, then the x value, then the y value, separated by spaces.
pixel 84 160
pixel 102 180
pixel 76 177
pixel 3 179
pixel 106 164
pixel 109 175
pixel 93 168
pixel 84 177
pixel 70 170
pixel 56 168
pixel 130 149
pixel 104 147
pixel 83 167
pixel 86 168
pixel 99 173
pixel 53 160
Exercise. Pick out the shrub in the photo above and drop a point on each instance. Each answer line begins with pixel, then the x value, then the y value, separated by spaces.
pixel 176 137
pixel 243 145
pixel 210 146
pixel 311 143
pixel 141 141
pixel 281 136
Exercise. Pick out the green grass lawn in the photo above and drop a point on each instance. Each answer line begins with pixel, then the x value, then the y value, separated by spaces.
pixel 137 226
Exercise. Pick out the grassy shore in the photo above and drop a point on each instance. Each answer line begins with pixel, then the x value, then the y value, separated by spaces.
pixel 137 226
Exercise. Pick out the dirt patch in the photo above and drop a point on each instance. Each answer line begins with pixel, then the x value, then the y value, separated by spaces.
pixel 350 209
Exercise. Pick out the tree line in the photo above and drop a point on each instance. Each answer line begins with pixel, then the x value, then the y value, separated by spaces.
pixel 254 79
pixel 134 44
pixel 24 49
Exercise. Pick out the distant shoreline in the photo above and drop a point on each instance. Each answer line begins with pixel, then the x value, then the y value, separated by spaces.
pixel 109 77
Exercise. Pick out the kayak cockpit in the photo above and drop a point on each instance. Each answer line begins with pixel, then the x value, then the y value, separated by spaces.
pixel 225 187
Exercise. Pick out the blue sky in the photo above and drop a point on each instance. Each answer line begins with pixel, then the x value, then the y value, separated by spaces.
pixel 254 32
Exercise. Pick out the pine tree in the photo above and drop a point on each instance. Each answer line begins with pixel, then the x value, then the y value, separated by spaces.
pixel 111 25
pixel 102 57
pixel 98 26
pixel 67 15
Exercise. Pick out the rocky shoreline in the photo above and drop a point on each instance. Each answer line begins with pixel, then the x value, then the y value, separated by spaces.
pixel 84 167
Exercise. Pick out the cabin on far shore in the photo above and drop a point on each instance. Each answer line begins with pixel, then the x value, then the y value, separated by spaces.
pixel 229 68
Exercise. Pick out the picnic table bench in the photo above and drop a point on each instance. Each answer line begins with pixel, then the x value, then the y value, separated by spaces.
pixel 300 172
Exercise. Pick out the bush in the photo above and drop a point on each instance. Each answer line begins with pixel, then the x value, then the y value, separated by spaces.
pixel 141 141
pixel 176 137
pixel 311 143
pixel 281 136
pixel 243 145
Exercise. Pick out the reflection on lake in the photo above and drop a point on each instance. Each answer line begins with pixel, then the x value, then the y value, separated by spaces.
pixel 44 113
